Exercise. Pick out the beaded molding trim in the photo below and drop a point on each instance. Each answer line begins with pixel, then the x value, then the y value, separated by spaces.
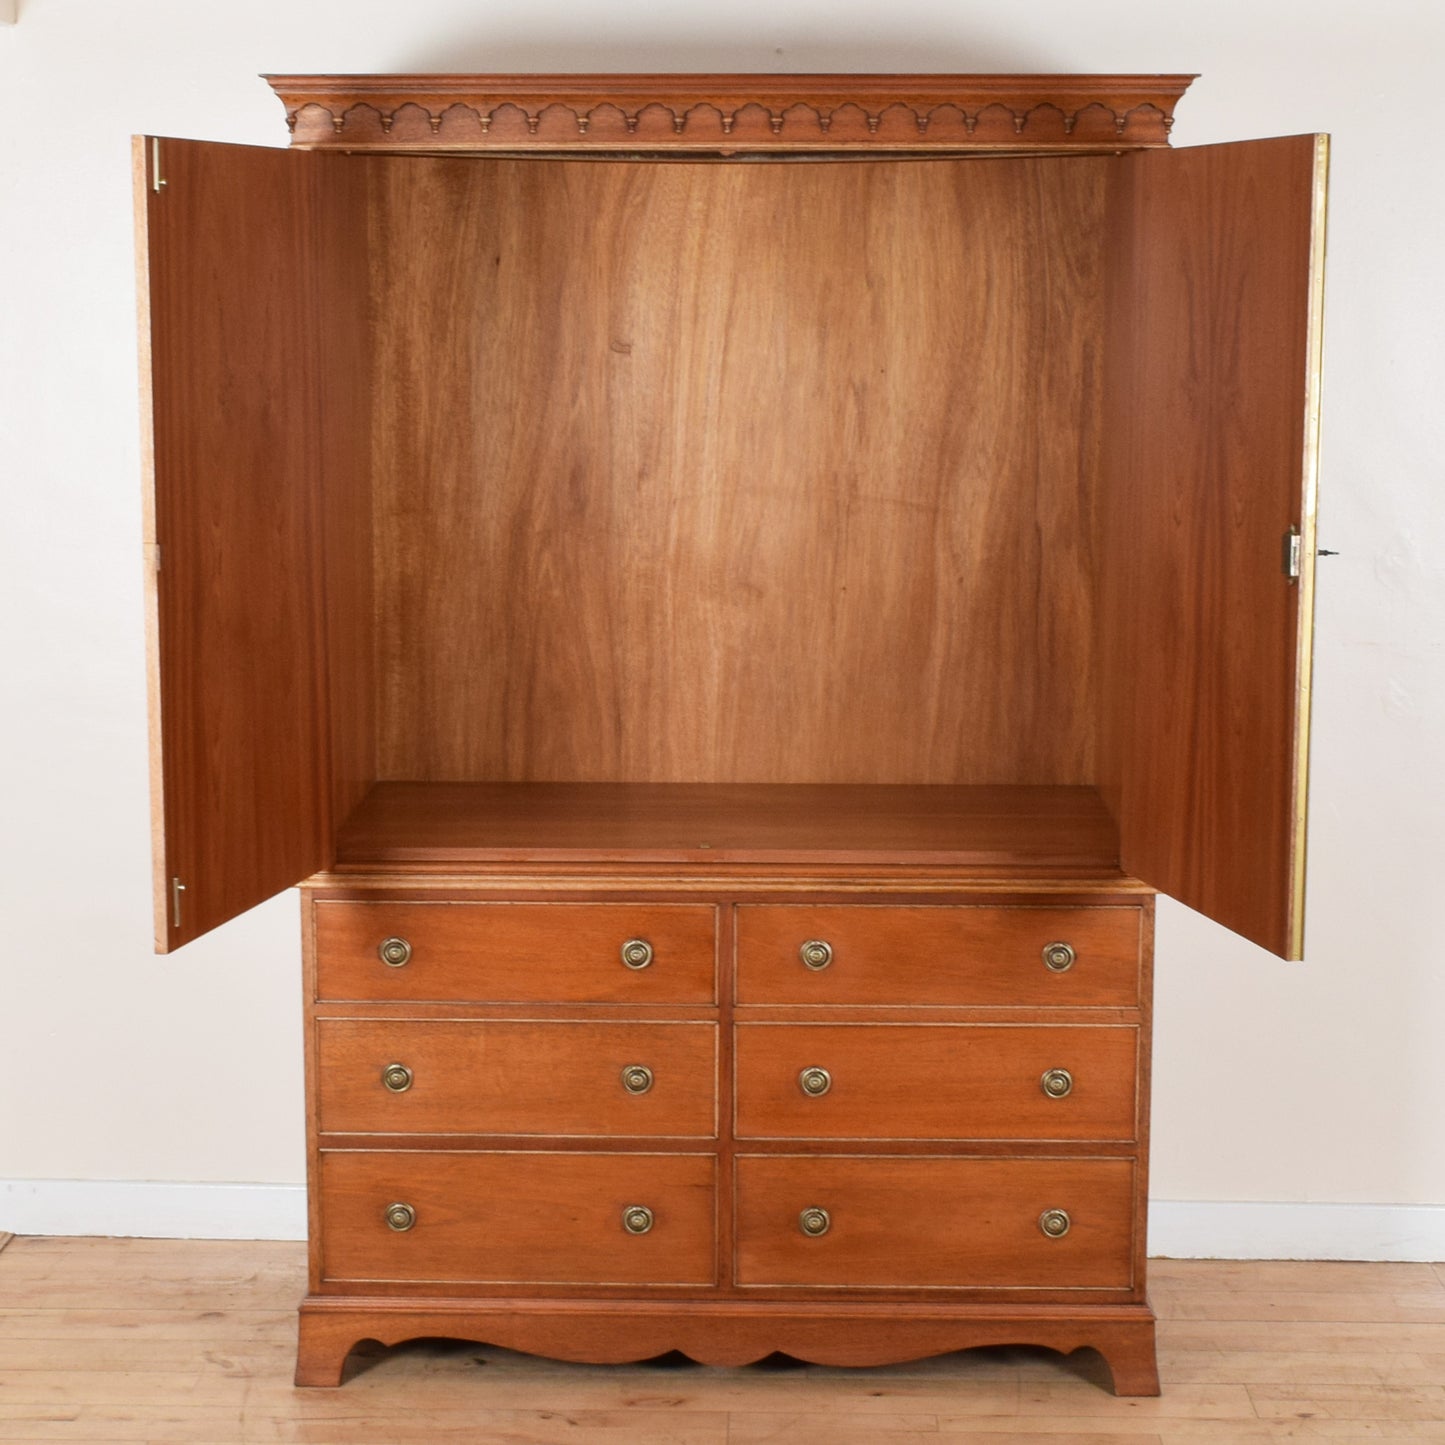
pixel 725 114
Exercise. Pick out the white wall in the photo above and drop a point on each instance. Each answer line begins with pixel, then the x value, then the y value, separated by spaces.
pixel 1298 1084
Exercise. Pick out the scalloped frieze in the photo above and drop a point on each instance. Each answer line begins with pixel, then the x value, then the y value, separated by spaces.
pixel 729 113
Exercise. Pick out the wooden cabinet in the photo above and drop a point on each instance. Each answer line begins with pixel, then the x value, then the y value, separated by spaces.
pixel 730 593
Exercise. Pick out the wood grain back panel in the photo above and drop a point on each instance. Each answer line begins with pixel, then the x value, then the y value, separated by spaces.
pixel 1211 415
pixel 749 473
pixel 238 330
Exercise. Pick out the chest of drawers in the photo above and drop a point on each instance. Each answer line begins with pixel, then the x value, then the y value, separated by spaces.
pixel 731 591
pixel 750 1125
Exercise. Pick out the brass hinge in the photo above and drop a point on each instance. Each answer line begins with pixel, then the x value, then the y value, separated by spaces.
pixel 177 888
pixel 1291 557
pixel 158 181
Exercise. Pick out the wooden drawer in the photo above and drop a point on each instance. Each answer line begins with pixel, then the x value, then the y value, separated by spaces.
pixel 517 1077
pixel 517 1218
pixel 517 952
pixel 944 1081
pixel 911 1223
pixel 938 954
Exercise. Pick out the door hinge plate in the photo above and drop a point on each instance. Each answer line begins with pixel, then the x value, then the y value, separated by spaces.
pixel 1291 554
pixel 177 888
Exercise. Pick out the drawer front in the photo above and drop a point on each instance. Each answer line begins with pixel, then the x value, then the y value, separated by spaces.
pixel 517 1077
pixel 939 954
pixel 945 1081
pixel 517 952
pixel 518 1218
pixel 909 1223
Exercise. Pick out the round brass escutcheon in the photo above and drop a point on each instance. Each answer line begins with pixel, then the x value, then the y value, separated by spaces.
pixel 1055 1223
pixel 637 953
pixel 397 1078
pixel 637 1078
pixel 815 1082
pixel 816 953
pixel 637 1219
pixel 1059 956
pixel 1057 1083
pixel 815 1221
pixel 400 1217
pixel 395 952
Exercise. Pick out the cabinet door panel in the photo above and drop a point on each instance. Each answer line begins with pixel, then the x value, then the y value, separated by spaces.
pixel 243 313
pixel 1211 405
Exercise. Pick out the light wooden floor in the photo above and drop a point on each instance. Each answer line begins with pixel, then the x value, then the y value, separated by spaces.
pixel 108 1340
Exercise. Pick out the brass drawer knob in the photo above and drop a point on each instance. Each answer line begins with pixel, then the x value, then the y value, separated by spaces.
pixel 637 953
pixel 1057 1083
pixel 395 952
pixel 1059 956
pixel 637 1078
pixel 397 1078
pixel 1055 1223
pixel 816 954
pixel 815 1221
pixel 637 1219
pixel 815 1082
pixel 400 1217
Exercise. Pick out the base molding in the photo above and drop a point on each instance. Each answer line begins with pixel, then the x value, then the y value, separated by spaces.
pixel 729 1332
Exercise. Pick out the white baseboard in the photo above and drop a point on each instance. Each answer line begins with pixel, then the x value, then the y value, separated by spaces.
pixel 144 1210
pixel 1178 1228
pixel 1195 1229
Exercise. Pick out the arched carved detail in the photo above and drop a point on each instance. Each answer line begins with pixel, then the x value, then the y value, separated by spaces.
pixel 726 114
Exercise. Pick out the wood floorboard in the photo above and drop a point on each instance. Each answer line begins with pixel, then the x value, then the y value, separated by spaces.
pixel 165 1341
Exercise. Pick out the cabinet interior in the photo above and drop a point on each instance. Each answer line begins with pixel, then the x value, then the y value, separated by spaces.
pixel 751 473
pixel 948 472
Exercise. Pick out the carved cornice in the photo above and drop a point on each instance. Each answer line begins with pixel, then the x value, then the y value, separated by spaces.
pixel 729 113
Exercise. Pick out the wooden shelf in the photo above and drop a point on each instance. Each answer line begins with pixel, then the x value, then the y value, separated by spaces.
pixel 696 823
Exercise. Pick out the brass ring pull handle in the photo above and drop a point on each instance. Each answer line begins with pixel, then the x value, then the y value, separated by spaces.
pixel 397 1078
pixel 815 1221
pixel 637 1219
pixel 400 1217
pixel 1059 957
pixel 637 1078
pixel 637 953
pixel 394 952
pixel 1057 1083
pixel 816 954
pixel 815 1082
pixel 1055 1223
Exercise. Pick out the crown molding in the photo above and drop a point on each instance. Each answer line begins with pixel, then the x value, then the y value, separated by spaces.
pixel 728 114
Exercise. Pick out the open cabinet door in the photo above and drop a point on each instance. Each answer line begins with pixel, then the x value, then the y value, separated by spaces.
pixel 243 306
pixel 1207 523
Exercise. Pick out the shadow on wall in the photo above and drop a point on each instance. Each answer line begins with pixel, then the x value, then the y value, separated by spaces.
pixel 505 49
